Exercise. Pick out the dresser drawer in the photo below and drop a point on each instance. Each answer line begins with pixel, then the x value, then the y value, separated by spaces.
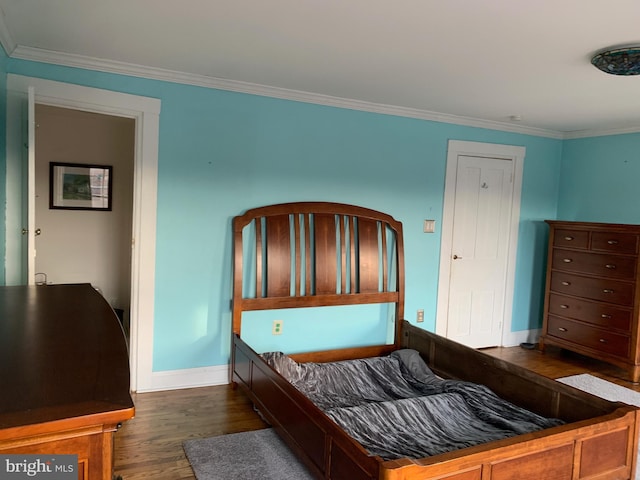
pixel 591 337
pixel 614 242
pixel 599 314
pixel 605 290
pixel 571 238
pixel 602 264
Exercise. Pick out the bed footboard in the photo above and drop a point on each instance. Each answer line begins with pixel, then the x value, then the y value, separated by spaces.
pixel 602 449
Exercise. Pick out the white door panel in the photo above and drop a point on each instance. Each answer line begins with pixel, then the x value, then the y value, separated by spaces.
pixel 480 250
pixel 467 313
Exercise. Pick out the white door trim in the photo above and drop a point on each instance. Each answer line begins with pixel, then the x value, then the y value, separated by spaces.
pixel 31 187
pixel 457 148
pixel 146 112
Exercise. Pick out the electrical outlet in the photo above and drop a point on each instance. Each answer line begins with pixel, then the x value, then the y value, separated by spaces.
pixel 277 327
pixel 420 316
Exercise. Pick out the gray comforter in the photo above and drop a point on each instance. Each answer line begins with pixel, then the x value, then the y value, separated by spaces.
pixel 396 407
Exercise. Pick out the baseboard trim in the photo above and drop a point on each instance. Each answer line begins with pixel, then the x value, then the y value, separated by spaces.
pixel 188 378
pixel 219 375
pixel 512 339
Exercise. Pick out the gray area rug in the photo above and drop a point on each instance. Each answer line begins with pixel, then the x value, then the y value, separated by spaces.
pixel 603 389
pixel 256 455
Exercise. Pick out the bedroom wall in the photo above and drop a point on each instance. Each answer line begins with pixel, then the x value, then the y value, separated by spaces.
pixel 3 164
pixel 223 152
pixel 599 181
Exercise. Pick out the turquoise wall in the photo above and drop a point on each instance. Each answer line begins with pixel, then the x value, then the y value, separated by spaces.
pixel 222 152
pixel 599 181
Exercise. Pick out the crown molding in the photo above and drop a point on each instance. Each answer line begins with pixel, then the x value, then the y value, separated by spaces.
pixel 601 133
pixel 6 39
pixel 123 68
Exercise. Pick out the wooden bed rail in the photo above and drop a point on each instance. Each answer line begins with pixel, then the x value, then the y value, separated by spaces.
pixel 309 254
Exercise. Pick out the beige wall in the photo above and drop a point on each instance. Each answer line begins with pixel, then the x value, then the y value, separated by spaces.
pixel 77 245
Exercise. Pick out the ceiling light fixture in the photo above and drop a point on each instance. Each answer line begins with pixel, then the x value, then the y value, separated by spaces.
pixel 621 61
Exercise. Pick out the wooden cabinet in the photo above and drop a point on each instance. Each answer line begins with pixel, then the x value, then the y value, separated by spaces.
pixel 592 302
pixel 64 375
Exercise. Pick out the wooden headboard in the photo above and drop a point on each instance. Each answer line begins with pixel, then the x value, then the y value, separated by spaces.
pixel 313 254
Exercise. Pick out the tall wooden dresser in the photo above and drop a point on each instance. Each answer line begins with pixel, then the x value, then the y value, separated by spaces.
pixel 592 301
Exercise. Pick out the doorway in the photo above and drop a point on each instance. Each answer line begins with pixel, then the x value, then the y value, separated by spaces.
pixel 84 245
pixel 145 112
pixel 479 242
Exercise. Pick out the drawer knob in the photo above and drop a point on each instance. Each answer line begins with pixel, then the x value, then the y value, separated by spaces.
pixel 566 284
pixel 562 329
pixel 568 238
pixel 564 306
pixel 612 242
pixel 607 290
pixel 610 266
pixel 602 340
pixel 604 315
pixel 567 260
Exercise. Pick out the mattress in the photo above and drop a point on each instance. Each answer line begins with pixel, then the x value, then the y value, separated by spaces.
pixel 396 407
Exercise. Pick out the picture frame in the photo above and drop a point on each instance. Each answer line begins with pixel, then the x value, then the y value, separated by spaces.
pixel 77 186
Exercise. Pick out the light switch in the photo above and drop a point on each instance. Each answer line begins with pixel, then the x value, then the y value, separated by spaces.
pixel 429 226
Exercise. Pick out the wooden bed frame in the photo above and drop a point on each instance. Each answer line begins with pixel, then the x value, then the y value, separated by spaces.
pixel 326 254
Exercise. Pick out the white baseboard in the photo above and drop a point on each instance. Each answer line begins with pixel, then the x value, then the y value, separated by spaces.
pixel 219 375
pixel 512 339
pixel 188 378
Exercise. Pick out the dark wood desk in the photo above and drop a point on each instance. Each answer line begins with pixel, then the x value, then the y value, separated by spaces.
pixel 64 375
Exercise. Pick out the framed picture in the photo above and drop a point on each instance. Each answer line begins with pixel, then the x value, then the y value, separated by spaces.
pixel 75 186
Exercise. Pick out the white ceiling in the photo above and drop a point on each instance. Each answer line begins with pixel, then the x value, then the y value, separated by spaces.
pixel 476 59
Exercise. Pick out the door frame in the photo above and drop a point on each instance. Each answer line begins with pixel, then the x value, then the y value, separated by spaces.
pixel 146 113
pixel 457 148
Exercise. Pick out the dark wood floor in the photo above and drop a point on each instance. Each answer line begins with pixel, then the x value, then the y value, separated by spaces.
pixel 150 445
